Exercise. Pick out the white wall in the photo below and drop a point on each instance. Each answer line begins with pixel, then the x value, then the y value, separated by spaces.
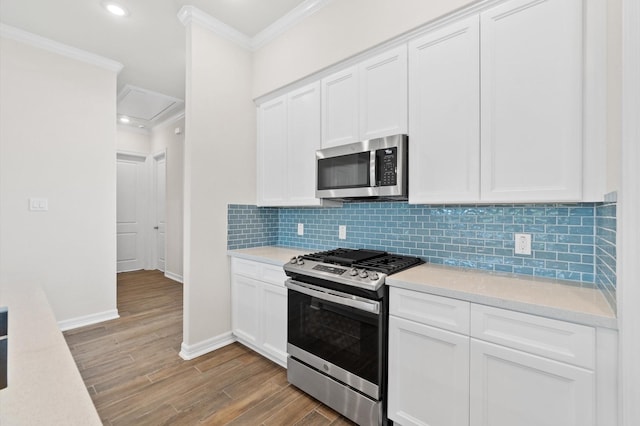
pixel 337 31
pixel 132 140
pixel 164 138
pixel 220 168
pixel 57 141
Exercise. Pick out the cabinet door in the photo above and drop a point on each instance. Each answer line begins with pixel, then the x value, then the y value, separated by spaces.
pixel 531 68
pixel 274 321
pixel 509 387
pixel 245 316
pixel 444 127
pixel 340 108
pixel 303 126
pixel 272 153
pixel 383 94
pixel 428 375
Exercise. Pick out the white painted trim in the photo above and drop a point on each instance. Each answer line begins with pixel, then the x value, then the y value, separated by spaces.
pixel 294 17
pixel 77 322
pixel 133 129
pixel 131 156
pixel 628 268
pixel 173 276
pixel 439 22
pixel 190 14
pixel 189 352
pixel 168 122
pixel 40 42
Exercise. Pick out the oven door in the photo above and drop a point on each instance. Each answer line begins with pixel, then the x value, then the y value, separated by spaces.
pixel 338 334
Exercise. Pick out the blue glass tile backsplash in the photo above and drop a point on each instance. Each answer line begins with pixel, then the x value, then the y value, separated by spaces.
pixel 565 243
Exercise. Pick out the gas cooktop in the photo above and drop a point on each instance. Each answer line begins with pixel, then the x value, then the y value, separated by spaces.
pixel 374 260
pixel 366 269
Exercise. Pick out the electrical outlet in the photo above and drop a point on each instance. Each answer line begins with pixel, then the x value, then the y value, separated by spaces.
pixel 342 232
pixel 301 229
pixel 523 244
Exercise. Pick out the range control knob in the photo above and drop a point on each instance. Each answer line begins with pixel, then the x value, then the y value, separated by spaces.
pixel 374 276
pixel 353 272
pixel 363 274
pixel 300 260
pixel 294 260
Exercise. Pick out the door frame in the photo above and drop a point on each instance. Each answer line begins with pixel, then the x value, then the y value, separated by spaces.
pixel 153 211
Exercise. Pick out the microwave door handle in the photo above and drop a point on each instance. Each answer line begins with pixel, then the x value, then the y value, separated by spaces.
pixel 372 168
pixel 360 304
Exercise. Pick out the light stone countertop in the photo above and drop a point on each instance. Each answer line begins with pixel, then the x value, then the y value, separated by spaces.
pixel 563 300
pixel 44 384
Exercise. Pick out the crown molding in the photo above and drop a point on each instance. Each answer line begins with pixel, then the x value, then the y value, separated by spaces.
pixel 168 122
pixel 190 14
pixel 295 16
pixel 133 129
pixel 40 42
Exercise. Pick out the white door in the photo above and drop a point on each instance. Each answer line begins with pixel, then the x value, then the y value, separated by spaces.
pixel 159 178
pixel 131 212
pixel 272 152
pixel 444 165
pixel 510 387
pixel 428 375
pixel 340 108
pixel 531 83
pixel 383 94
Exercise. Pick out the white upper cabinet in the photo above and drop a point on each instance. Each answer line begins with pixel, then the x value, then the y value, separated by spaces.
pixel 531 83
pixel 288 137
pixel 444 122
pixel 303 131
pixel 272 152
pixel 383 95
pixel 367 100
pixel 340 108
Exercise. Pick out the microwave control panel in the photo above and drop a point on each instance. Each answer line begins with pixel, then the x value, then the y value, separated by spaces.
pixel 387 166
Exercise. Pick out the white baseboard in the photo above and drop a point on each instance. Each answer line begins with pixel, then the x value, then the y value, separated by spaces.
pixel 188 352
pixel 173 276
pixel 77 322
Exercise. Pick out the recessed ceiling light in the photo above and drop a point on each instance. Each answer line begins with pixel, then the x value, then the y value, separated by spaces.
pixel 140 126
pixel 124 119
pixel 115 8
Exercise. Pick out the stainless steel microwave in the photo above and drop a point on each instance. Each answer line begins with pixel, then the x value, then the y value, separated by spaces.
pixel 375 168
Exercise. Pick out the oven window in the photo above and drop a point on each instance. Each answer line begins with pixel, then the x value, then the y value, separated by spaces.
pixel 347 171
pixel 344 336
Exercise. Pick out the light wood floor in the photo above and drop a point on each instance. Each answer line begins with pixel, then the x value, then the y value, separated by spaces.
pixel 135 377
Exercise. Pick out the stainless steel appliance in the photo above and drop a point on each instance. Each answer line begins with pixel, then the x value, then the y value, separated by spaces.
pixel 375 168
pixel 337 329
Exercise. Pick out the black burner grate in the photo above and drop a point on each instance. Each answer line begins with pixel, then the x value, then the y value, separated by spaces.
pixel 378 261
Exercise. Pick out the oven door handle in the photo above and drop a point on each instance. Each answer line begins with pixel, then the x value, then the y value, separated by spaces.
pixel 335 297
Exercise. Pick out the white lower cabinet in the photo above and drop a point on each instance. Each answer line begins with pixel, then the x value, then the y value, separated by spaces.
pixel 259 308
pixel 510 387
pixel 453 362
pixel 420 394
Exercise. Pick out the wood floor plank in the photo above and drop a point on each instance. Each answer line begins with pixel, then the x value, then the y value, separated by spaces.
pixel 135 376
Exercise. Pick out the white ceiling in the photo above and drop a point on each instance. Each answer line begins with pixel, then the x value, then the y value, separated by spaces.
pixel 150 42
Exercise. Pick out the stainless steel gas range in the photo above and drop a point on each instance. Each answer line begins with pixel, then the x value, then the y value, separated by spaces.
pixel 337 329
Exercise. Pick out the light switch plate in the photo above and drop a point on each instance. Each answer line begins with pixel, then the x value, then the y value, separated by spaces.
pixel 38 204
pixel 301 229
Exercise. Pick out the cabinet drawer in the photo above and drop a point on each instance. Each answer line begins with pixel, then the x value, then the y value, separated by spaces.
pixel 558 340
pixel 436 311
pixel 246 268
pixel 273 274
